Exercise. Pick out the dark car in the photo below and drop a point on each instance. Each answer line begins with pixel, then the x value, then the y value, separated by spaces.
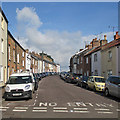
pixel 83 81
pixel 71 78
pixel 38 76
pixel 36 81
pixel 77 77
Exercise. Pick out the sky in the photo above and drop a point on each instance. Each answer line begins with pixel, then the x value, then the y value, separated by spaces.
pixel 60 29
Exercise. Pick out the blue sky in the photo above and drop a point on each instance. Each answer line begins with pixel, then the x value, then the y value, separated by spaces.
pixel 90 18
pixel 66 22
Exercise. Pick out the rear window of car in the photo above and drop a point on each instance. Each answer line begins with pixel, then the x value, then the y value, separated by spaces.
pixel 115 80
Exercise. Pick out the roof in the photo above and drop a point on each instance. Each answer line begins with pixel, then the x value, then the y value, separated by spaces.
pixel 104 47
pixel 111 44
pixel 81 51
pixel 97 76
pixel 3 14
pixel 15 40
pixel 21 74
pixel 93 50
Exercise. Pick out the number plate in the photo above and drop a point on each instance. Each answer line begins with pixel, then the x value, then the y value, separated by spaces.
pixel 17 94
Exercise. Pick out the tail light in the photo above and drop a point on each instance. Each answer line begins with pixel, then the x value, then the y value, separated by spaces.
pixel 72 77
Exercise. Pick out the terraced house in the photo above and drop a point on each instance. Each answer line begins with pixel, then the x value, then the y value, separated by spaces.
pixel 16 56
pixel 100 58
pixel 110 53
pixel 3 48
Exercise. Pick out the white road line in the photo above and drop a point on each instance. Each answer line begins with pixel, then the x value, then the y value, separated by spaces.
pixel 102 109
pixel 39 110
pixel 118 110
pixel 3 107
pixel 106 112
pixel 81 111
pixel 60 110
pixel 80 108
pixel 8 104
pixel 36 97
pixel 35 100
pixel 19 110
pixel 57 108
pixel 100 105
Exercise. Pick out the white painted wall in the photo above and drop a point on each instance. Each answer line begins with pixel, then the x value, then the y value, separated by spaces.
pixel 58 68
pixel 118 60
pixel 96 65
pixel 28 61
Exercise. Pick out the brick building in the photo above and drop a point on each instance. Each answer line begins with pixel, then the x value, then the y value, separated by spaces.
pixel 16 56
pixel 34 63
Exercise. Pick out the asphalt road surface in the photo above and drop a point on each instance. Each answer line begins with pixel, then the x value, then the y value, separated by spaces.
pixel 58 99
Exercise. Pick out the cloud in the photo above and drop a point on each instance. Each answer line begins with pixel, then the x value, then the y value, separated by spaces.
pixel 28 18
pixel 60 45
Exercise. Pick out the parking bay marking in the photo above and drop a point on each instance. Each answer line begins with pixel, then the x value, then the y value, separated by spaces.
pixel 102 109
pixel 39 110
pixel 3 109
pixel 59 108
pixel 80 108
pixel 105 112
pixel 118 110
pixel 19 110
pixel 81 111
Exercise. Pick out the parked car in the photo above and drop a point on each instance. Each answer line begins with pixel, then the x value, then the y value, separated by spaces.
pixel 77 78
pixel 71 78
pixel 96 83
pixel 20 85
pixel 66 77
pixel 112 86
pixel 62 75
pixel 83 81
pixel 39 77
pixel 36 80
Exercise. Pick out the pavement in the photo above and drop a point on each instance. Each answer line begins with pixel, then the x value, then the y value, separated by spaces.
pixel 58 99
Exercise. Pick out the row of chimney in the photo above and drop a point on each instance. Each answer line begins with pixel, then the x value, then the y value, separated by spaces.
pixel 96 43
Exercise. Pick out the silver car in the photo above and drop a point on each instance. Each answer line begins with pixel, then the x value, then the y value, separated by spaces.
pixel 112 86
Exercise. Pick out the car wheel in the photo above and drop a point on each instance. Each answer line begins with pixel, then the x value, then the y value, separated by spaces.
pixel 87 87
pixel 106 92
pixel 81 85
pixel 94 89
pixel 31 95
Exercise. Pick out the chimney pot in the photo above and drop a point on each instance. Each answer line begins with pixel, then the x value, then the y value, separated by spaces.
pixel 105 37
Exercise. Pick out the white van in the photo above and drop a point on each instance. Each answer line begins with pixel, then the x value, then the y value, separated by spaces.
pixel 20 85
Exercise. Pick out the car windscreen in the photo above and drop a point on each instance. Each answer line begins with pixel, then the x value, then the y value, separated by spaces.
pixel 19 80
pixel 85 78
pixel 100 80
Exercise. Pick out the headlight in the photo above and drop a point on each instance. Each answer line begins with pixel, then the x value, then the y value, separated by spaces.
pixel 27 87
pixel 98 86
pixel 7 88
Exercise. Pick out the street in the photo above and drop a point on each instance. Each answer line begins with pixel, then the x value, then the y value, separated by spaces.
pixel 58 99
